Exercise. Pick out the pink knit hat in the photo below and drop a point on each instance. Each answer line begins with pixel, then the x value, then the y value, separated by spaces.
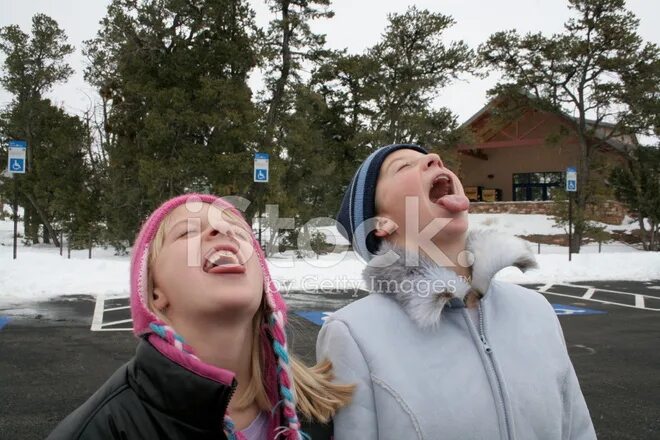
pixel 273 336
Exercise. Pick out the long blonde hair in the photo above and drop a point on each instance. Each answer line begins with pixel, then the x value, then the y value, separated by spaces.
pixel 316 396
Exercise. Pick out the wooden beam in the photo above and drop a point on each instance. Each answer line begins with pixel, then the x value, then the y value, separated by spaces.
pixel 474 153
pixel 503 144
pixel 535 126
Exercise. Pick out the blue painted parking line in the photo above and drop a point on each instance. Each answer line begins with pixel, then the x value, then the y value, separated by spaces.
pixel 316 316
pixel 3 321
pixel 563 309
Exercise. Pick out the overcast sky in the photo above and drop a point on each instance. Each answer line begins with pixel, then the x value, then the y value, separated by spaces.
pixel 357 24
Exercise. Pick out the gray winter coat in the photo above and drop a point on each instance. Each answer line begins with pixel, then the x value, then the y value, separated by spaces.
pixel 425 369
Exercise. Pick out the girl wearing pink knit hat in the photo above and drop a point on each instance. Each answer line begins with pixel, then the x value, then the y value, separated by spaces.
pixel 212 361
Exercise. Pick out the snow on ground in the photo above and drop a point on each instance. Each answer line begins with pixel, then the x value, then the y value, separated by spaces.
pixel 41 273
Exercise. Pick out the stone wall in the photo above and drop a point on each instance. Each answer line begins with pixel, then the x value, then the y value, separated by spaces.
pixel 611 212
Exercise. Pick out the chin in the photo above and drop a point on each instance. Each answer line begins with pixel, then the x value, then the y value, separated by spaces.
pixel 235 301
pixel 457 226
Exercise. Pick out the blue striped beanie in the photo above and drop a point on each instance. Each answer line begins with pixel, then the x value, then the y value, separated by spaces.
pixel 359 203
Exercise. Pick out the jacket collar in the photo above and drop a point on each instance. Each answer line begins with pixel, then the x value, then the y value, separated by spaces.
pixel 176 391
pixel 423 290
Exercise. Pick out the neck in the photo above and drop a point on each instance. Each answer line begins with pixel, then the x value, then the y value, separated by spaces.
pixel 452 250
pixel 226 345
pixel 444 252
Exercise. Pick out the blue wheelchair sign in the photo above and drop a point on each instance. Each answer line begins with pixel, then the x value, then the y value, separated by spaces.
pixel 261 167
pixel 16 165
pixel 571 179
pixel 261 175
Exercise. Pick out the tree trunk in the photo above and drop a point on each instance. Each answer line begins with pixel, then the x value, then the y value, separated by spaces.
pixel 642 233
pixel 582 195
pixel 280 84
pixel 43 217
pixel 31 225
pixel 46 236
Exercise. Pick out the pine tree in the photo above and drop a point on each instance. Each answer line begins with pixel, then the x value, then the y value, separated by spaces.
pixel 53 190
pixel 588 71
pixel 172 77
pixel 638 186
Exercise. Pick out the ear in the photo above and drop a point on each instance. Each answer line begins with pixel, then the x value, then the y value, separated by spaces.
pixel 384 227
pixel 159 300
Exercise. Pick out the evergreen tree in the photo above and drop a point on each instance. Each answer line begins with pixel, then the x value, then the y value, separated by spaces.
pixel 172 76
pixel 638 186
pixel 414 64
pixel 53 190
pixel 588 71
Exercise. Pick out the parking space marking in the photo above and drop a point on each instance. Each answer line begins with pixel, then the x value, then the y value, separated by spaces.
pixel 112 309
pixel 117 312
pixel 97 318
pixel 98 325
pixel 590 292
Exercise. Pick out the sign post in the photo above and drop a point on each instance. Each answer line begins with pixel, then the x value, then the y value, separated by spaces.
pixel 261 176
pixel 571 187
pixel 16 165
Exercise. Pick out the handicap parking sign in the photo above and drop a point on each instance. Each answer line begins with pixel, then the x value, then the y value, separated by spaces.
pixel 16 156
pixel 261 175
pixel 261 167
pixel 571 179
pixel 16 165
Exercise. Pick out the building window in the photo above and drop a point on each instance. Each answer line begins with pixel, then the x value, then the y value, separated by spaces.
pixel 536 186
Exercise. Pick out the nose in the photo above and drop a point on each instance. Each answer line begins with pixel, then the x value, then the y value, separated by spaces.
pixel 220 228
pixel 430 160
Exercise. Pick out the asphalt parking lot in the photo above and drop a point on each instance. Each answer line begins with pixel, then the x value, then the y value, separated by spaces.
pixel 54 355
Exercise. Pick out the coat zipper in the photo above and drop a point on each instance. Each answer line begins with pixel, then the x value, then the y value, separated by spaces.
pixel 232 390
pixel 489 352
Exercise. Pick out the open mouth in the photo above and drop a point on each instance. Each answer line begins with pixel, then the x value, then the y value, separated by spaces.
pixel 223 259
pixel 440 187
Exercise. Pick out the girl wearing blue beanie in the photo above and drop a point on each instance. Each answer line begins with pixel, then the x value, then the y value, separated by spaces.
pixel 441 350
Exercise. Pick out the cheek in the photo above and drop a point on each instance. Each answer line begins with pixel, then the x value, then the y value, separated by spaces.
pixel 459 184
pixel 406 185
pixel 256 275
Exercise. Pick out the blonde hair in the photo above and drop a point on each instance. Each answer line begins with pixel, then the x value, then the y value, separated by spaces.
pixel 316 396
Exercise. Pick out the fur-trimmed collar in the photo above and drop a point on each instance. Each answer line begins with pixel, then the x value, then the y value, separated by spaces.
pixel 424 289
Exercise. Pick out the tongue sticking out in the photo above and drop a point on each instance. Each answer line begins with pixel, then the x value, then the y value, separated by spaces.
pixel 454 202
pixel 223 262
pixel 442 192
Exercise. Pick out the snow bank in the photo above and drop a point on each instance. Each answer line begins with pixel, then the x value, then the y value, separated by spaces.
pixel 40 272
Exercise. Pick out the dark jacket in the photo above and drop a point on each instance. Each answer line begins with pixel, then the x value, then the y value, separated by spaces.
pixel 152 397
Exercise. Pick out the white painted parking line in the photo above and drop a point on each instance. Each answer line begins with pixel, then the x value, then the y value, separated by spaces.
pixel 640 300
pixel 97 319
pixel 117 308
pixel 123 321
pixel 598 301
pixel 99 311
pixel 589 293
pixel 601 290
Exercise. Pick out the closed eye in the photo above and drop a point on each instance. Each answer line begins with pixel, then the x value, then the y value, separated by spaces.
pixel 186 232
pixel 238 231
